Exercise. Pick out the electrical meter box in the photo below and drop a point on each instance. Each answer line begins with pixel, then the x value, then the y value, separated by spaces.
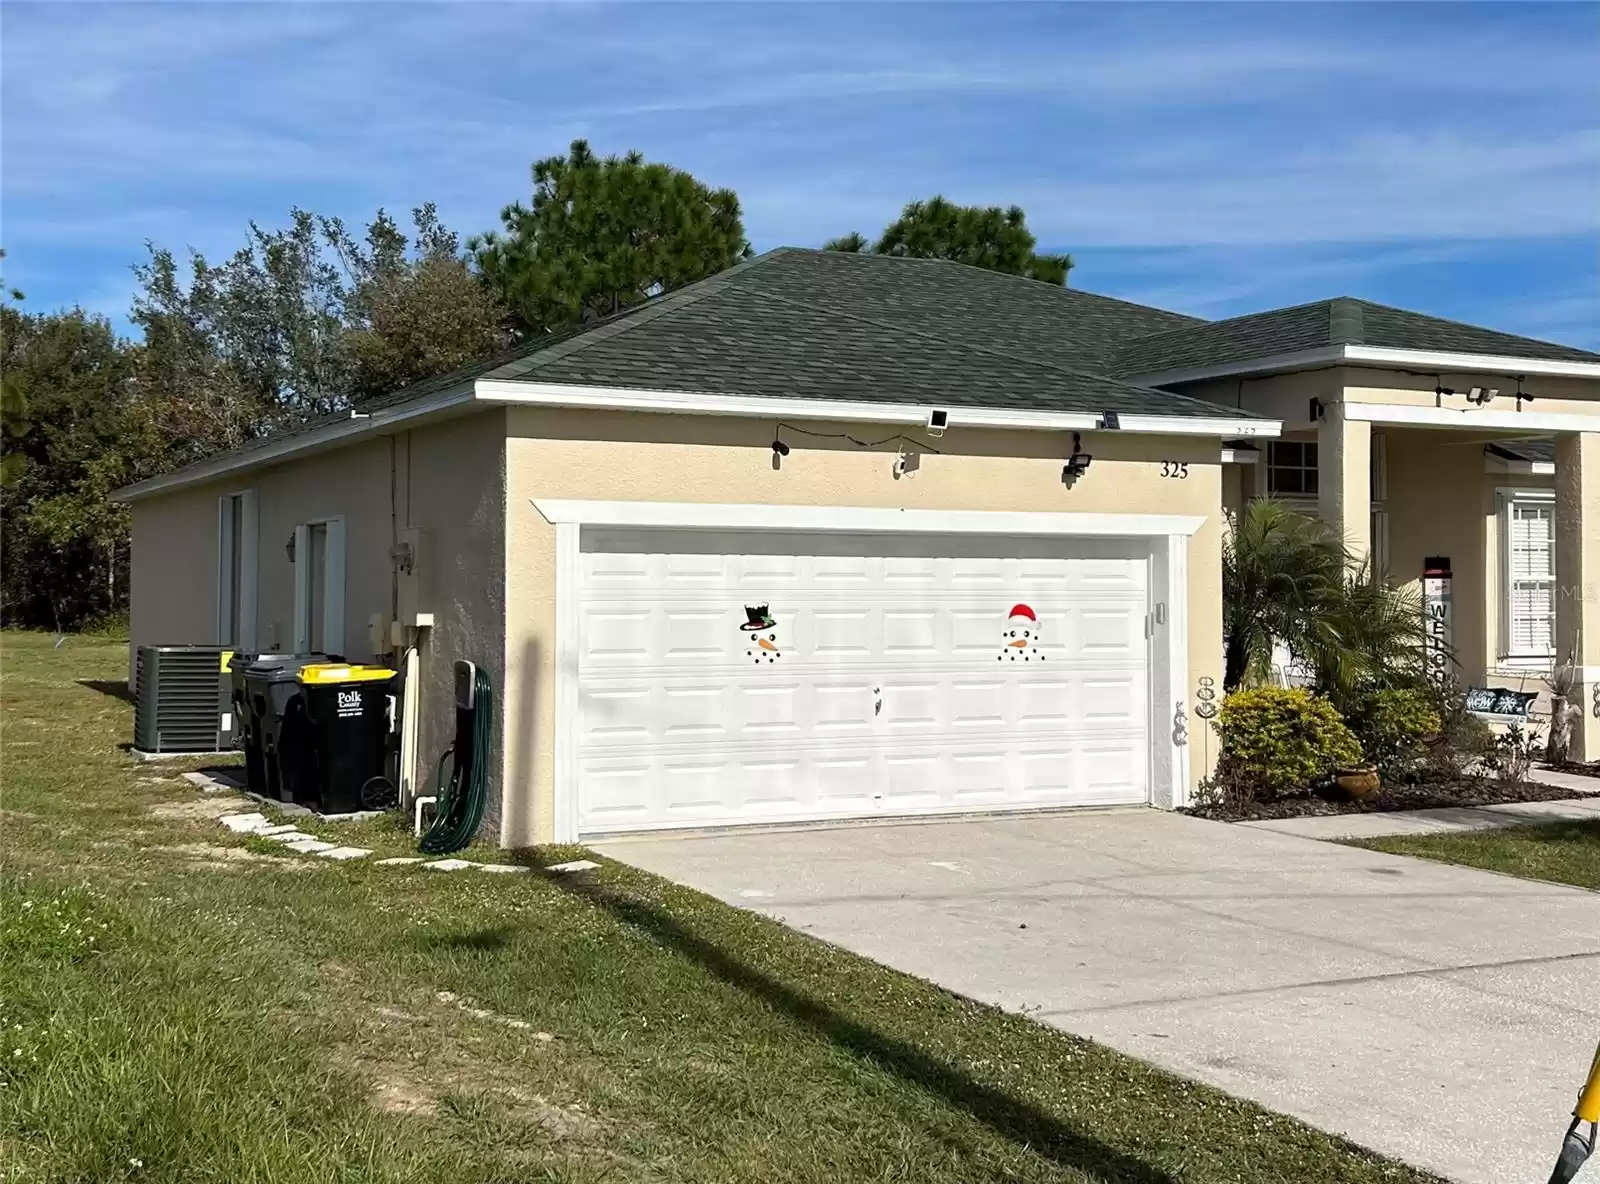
pixel 413 563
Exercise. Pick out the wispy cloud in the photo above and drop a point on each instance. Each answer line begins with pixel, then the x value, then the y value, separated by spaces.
pixel 1279 147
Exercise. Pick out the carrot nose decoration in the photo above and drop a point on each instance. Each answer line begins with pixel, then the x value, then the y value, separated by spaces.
pixel 1020 638
pixel 758 620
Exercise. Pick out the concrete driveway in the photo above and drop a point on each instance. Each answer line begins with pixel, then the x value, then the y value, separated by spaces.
pixel 1439 1015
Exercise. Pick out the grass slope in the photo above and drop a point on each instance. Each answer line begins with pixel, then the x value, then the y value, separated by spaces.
pixel 181 1005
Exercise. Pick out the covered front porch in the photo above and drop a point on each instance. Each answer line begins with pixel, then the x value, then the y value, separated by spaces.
pixel 1499 503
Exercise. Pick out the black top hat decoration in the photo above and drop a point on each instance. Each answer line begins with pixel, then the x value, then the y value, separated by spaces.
pixel 759 618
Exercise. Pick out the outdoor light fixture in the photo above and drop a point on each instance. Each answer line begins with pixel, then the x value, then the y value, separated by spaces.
pixel 1078 463
pixel 1482 394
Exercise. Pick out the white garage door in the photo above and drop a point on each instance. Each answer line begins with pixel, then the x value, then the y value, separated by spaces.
pixel 743 677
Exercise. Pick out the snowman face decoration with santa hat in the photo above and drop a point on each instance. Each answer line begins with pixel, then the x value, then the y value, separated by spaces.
pixel 1020 638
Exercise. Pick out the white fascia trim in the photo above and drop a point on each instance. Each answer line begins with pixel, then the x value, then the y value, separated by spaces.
pixel 1531 468
pixel 858 519
pixel 342 432
pixel 1240 456
pixel 1478 417
pixel 543 394
pixel 1371 355
pixel 1453 363
pixel 1304 359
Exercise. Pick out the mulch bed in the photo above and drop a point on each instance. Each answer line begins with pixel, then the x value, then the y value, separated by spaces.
pixel 1581 768
pixel 1430 796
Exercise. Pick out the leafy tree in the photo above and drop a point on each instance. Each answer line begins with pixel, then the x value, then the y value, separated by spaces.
pixel 409 317
pixel 984 236
pixel 64 542
pixel 301 322
pixel 1287 578
pixel 14 424
pixel 603 234
pixel 854 243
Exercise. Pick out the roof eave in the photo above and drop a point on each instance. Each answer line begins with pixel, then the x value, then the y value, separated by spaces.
pixel 540 394
pixel 451 400
pixel 1378 357
pixel 482 393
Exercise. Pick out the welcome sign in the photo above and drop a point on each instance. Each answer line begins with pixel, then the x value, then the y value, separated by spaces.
pixel 1438 636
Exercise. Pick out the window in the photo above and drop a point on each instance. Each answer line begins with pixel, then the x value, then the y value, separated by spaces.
pixel 1527 533
pixel 1292 468
pixel 318 557
pixel 237 544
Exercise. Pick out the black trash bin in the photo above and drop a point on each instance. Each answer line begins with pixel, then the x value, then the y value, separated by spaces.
pixel 269 684
pixel 246 727
pixel 334 741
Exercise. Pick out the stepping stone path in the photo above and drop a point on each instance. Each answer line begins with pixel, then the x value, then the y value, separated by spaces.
pixel 304 843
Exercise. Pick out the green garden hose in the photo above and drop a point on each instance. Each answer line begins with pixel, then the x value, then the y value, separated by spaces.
pixel 462 797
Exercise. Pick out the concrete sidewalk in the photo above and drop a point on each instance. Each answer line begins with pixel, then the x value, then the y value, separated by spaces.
pixel 1438 1014
pixel 1426 822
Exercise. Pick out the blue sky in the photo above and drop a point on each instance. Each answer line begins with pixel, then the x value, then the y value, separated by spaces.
pixel 1212 159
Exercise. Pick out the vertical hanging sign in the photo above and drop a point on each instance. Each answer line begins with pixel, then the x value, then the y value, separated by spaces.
pixel 1437 617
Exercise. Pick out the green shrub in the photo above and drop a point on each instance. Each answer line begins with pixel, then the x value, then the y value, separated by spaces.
pixel 1281 738
pixel 1392 726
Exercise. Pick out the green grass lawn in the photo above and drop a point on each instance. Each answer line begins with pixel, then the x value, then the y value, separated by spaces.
pixel 181 1005
pixel 1565 852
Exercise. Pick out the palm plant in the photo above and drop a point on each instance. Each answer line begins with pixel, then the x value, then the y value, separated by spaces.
pixel 1287 578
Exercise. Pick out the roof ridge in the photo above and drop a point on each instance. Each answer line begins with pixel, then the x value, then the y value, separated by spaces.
pixel 989 271
pixel 1433 316
pixel 997 353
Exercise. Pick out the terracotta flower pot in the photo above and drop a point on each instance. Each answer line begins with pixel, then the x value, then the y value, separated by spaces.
pixel 1358 783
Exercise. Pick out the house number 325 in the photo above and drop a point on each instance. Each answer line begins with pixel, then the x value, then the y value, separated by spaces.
pixel 1176 469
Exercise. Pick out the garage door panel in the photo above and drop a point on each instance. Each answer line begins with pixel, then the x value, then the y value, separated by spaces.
pixel 888 686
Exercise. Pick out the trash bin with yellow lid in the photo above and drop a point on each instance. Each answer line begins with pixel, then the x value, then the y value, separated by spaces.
pixel 336 744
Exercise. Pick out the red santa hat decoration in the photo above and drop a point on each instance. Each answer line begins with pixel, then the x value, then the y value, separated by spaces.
pixel 1022 615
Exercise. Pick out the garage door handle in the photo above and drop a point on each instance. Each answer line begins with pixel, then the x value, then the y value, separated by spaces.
pixel 1160 613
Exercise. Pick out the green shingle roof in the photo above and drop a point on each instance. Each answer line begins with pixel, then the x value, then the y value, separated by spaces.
pixel 865 328
pixel 1341 321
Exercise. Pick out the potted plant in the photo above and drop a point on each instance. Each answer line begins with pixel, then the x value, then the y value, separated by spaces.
pixel 1358 782
pixel 1562 682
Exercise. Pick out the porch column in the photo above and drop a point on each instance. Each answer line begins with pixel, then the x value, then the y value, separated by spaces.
pixel 1344 478
pixel 1577 531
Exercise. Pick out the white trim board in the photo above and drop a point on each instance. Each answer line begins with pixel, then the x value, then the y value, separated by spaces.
pixel 1480 418
pixel 859 519
pixel 541 394
pixel 1439 361
pixel 1528 468
pixel 1167 535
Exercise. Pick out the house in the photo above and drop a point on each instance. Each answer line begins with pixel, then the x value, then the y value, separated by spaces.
pixel 833 536
pixel 1436 448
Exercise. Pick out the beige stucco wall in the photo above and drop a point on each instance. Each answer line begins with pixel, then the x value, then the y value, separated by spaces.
pixel 447 476
pixel 1440 498
pixel 642 457
pixel 1442 502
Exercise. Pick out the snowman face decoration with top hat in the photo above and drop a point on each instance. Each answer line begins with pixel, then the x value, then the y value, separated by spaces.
pixel 763 634
pixel 1019 640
